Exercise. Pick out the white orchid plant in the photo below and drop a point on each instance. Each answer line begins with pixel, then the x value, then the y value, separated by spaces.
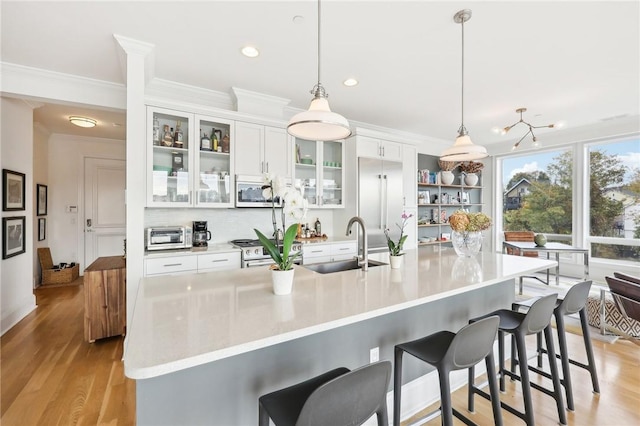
pixel 395 249
pixel 294 207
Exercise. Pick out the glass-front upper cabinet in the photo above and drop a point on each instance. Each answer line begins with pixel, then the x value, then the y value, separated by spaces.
pixel 189 158
pixel 318 172
pixel 170 138
pixel 214 183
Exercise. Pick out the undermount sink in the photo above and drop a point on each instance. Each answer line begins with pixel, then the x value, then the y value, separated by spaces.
pixel 343 265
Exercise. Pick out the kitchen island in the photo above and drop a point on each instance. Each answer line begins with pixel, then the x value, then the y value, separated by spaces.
pixel 203 347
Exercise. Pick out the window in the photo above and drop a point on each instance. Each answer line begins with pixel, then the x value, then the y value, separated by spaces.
pixel 537 194
pixel 614 199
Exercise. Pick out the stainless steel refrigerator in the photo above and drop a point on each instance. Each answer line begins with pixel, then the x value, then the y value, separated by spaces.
pixel 380 200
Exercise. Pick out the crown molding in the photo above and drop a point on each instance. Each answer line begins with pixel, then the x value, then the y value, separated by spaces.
pixel 162 91
pixel 43 84
pixel 131 47
pixel 249 102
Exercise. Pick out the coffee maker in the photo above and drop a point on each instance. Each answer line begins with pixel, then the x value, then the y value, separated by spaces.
pixel 200 233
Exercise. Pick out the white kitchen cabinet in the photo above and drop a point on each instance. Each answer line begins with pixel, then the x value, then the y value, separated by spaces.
pixel 191 262
pixel 263 149
pixel 319 172
pixel 170 265
pixel 329 252
pixel 409 173
pixel 188 173
pixel 378 148
pixel 219 261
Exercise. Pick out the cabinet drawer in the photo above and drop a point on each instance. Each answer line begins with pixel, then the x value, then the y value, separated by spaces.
pixel 218 261
pixel 316 251
pixel 349 248
pixel 317 259
pixel 170 265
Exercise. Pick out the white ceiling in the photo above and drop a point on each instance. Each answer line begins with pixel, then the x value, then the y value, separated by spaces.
pixel 576 62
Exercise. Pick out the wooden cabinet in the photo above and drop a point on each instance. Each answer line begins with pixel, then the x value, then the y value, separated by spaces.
pixel 378 148
pixel 263 149
pixel 104 298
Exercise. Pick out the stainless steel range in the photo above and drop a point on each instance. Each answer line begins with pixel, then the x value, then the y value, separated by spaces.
pixel 254 254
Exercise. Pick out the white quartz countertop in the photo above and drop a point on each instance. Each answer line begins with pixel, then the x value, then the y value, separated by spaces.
pixel 211 248
pixel 188 320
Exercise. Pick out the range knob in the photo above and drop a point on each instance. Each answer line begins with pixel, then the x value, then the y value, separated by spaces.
pixel 257 251
pixel 247 252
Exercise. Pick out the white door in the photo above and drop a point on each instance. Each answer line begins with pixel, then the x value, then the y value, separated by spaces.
pixel 104 208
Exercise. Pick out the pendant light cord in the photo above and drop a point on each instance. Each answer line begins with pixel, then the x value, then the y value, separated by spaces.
pixel 319 43
pixel 462 94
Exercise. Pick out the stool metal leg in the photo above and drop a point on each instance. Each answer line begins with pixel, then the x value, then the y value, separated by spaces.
pixel 524 378
pixel 471 384
pixel 263 416
pixel 501 358
pixel 446 409
pixel 493 389
pixel 564 357
pixel 397 385
pixel 555 377
pixel 589 349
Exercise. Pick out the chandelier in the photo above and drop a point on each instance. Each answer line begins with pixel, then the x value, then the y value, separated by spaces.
pixel 505 130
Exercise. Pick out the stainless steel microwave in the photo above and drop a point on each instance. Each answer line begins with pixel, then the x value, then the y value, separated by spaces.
pixel 249 192
pixel 168 237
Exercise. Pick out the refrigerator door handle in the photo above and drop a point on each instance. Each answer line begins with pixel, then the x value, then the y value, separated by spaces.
pixel 382 201
pixel 385 203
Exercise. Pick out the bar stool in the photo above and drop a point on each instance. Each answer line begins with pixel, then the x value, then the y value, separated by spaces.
pixel 574 301
pixel 448 351
pixel 338 397
pixel 520 325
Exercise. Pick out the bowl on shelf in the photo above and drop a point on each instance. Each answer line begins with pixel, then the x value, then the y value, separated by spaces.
pixel 306 160
pixel 162 169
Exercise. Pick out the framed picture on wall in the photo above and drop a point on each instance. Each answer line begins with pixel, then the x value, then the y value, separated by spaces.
pixel 41 201
pixel 13 188
pixel 13 241
pixel 42 229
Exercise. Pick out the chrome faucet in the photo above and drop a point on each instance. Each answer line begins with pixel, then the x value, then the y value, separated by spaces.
pixel 364 262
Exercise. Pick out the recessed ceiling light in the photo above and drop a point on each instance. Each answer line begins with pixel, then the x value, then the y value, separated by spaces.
pixel 350 82
pixel 82 121
pixel 250 51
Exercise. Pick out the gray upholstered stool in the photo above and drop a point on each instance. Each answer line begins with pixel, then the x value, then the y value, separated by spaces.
pixel 574 301
pixel 338 397
pixel 520 325
pixel 448 351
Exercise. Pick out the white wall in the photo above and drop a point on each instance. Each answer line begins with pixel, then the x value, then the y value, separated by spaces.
pixel 66 188
pixel 40 176
pixel 16 152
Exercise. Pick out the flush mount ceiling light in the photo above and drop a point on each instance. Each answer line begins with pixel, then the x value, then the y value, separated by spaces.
pixel 505 130
pixel 82 121
pixel 319 123
pixel 250 51
pixel 350 82
pixel 463 149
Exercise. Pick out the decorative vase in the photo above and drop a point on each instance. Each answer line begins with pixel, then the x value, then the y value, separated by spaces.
pixel 282 281
pixel 395 261
pixel 466 243
pixel 446 177
pixel 540 240
pixel 471 179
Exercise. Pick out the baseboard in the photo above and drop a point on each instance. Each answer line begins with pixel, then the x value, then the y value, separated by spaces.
pixel 14 317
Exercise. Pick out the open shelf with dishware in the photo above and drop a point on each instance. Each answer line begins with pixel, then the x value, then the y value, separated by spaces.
pixel 437 201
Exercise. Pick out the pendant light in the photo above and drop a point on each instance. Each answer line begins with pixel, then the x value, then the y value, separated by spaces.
pixel 319 123
pixel 463 149
pixel 536 143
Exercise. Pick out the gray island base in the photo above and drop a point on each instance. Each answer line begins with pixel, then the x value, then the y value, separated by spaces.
pixel 204 347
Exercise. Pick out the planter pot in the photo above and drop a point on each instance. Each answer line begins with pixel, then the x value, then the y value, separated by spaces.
pixel 471 179
pixel 282 281
pixel 466 244
pixel 395 261
pixel 446 177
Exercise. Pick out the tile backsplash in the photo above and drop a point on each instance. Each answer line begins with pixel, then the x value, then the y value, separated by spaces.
pixel 230 224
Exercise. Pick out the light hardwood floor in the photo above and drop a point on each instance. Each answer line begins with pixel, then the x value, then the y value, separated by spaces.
pixel 51 376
